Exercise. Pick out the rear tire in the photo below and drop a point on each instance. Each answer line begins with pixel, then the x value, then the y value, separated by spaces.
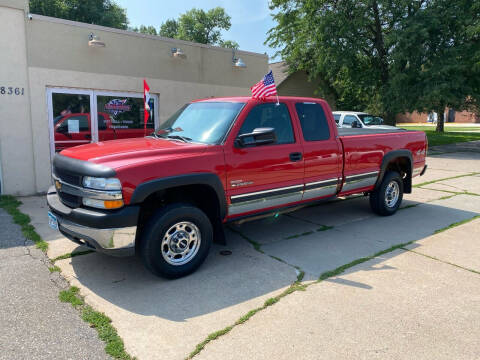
pixel 386 199
pixel 176 240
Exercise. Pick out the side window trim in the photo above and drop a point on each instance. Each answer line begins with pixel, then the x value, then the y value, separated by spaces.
pixel 288 112
pixel 326 122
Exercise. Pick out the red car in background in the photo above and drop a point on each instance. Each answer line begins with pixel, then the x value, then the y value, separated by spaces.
pixel 75 129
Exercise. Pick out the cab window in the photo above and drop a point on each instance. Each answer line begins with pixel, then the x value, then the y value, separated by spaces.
pixel 273 116
pixel 337 117
pixel 313 121
pixel 349 119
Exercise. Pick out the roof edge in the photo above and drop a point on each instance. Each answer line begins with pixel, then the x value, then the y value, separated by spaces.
pixel 139 35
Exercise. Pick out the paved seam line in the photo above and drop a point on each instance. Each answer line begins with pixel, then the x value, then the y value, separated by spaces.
pixel 448 178
pixel 106 332
pixel 258 247
pixel 114 345
pixel 71 255
pixel 442 261
pixel 297 285
pixel 455 224
pixel 10 204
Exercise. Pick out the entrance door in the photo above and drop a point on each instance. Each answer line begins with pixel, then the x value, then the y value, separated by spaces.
pixel 70 118
pixel 78 117
pixel 121 115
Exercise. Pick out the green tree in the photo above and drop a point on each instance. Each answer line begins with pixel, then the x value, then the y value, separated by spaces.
pixel 229 44
pixel 148 30
pixel 99 12
pixel 169 28
pixel 357 47
pixel 200 26
pixel 344 42
pixel 437 61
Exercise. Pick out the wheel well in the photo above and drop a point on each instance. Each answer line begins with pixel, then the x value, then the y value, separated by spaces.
pixel 404 167
pixel 202 196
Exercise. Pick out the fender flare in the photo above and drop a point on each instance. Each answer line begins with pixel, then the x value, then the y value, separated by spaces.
pixel 392 155
pixel 147 188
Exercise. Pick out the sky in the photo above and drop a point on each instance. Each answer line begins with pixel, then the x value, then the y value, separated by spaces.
pixel 250 18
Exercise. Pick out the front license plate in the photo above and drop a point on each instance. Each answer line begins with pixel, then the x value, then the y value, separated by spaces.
pixel 52 221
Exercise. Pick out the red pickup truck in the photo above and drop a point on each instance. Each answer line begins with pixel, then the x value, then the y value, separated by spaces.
pixel 166 196
pixel 107 130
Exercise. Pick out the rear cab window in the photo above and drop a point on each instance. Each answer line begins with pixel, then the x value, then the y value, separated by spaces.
pixel 313 121
pixel 270 115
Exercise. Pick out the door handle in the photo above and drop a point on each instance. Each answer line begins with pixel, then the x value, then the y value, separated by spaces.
pixel 295 156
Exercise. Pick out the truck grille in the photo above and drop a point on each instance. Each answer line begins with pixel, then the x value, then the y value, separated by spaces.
pixel 68 178
pixel 69 199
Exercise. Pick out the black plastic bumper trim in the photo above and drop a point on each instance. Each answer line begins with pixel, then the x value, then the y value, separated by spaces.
pixel 109 219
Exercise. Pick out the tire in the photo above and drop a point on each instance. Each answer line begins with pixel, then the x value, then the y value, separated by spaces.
pixel 176 240
pixel 386 199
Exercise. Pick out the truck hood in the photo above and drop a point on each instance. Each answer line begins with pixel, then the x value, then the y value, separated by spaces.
pixel 118 153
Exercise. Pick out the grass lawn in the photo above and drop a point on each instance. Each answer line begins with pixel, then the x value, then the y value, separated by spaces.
pixel 450 136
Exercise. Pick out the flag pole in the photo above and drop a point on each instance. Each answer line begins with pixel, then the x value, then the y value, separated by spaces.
pixel 278 102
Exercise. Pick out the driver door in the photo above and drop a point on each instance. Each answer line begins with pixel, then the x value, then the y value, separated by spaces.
pixel 266 176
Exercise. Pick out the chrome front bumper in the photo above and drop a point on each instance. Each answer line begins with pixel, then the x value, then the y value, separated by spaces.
pixel 112 233
pixel 118 241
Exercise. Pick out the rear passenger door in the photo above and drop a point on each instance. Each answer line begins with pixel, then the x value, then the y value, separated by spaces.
pixel 265 176
pixel 321 150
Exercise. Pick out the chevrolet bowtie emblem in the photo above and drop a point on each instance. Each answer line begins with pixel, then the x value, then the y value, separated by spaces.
pixel 58 185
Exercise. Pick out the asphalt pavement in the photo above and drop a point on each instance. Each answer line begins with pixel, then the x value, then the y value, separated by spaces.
pixel 34 324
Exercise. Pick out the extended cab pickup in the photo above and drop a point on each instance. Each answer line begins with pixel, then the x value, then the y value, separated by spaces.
pixel 166 196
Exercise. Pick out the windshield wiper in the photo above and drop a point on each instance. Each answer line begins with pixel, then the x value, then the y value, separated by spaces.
pixel 179 137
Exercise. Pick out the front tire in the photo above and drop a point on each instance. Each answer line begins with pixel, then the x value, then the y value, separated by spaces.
pixel 176 240
pixel 386 199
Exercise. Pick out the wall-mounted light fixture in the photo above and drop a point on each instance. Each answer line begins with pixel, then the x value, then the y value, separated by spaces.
pixel 237 63
pixel 178 53
pixel 94 41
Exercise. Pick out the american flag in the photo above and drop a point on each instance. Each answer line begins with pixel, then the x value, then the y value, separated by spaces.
pixel 264 87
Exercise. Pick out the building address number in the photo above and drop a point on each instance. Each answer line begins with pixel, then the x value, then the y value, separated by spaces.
pixel 4 90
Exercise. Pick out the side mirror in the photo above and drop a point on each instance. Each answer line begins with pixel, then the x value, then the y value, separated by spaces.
pixel 259 136
pixel 356 124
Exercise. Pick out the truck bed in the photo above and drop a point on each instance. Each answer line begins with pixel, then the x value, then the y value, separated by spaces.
pixel 365 131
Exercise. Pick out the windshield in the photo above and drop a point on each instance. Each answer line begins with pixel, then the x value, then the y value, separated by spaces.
pixel 203 122
pixel 370 119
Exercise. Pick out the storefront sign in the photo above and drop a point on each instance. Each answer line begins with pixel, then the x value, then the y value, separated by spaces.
pixel 117 106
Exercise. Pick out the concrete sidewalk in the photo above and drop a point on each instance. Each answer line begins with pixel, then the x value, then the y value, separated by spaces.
pixel 402 305
pixel 34 324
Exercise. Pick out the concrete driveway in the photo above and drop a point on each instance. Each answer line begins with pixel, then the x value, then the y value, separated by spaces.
pixel 419 301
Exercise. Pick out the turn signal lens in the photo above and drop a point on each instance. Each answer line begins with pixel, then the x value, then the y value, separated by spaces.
pixel 113 204
pixel 103 204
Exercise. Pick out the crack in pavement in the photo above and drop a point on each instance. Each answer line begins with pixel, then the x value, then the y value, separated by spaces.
pixel 442 261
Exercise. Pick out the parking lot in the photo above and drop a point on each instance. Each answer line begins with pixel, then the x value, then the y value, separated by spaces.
pixel 407 289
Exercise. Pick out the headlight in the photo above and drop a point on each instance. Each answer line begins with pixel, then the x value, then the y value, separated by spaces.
pixel 102 183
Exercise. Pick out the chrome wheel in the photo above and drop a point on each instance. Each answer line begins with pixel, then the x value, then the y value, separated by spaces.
pixel 392 193
pixel 180 243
